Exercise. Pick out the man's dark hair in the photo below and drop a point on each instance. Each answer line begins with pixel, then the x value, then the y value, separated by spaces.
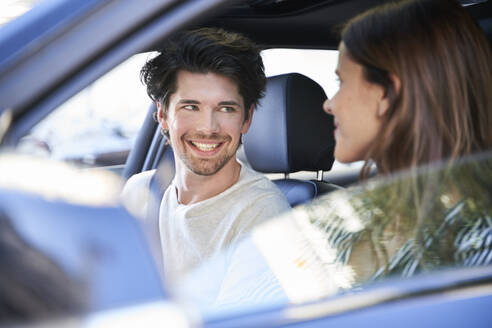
pixel 202 51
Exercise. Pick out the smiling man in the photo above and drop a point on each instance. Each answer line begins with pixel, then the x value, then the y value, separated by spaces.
pixel 206 84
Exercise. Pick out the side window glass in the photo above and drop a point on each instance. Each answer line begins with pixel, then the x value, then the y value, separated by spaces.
pixel 96 127
pixel 319 65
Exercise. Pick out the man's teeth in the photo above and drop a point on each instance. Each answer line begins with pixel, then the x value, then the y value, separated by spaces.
pixel 205 147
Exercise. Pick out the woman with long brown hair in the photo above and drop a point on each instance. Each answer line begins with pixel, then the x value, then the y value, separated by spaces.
pixel 415 81
pixel 415 78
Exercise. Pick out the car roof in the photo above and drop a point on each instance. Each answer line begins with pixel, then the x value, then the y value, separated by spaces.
pixel 309 23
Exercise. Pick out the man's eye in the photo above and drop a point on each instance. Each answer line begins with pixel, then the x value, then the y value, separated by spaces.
pixel 227 109
pixel 191 107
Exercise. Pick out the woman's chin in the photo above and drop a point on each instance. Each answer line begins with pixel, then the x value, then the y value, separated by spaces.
pixel 345 156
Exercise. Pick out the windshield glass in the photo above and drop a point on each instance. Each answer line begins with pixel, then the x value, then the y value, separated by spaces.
pixel 427 219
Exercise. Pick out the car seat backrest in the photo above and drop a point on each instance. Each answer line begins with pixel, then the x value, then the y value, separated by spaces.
pixel 290 132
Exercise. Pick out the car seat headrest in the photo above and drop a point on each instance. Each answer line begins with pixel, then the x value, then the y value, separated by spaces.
pixel 290 131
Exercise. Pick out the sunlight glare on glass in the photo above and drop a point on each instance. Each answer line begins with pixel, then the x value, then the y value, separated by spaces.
pixel 300 257
pixel 10 9
pixel 59 181
pixel 157 314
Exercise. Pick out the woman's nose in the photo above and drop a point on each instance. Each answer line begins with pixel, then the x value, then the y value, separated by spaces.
pixel 327 106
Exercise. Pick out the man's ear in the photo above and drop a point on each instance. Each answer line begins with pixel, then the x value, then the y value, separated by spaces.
pixel 161 115
pixel 247 123
pixel 387 100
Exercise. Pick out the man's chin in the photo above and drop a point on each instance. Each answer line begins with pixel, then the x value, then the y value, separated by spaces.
pixel 206 168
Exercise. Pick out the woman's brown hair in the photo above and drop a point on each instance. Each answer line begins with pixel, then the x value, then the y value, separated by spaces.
pixel 443 109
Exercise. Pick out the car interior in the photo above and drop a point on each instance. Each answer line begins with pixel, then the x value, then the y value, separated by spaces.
pixel 275 144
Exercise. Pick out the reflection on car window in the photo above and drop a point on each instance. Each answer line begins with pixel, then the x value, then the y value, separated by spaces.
pixel 97 126
pixel 432 218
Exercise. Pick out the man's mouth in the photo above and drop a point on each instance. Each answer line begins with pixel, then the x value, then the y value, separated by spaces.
pixel 206 147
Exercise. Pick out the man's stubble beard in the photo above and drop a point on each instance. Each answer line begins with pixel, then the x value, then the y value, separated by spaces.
pixel 205 167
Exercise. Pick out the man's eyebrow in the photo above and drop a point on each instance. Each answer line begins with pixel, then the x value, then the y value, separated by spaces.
pixel 188 101
pixel 229 103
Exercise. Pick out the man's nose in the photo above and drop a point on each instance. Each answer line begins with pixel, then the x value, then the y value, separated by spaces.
pixel 209 121
pixel 327 106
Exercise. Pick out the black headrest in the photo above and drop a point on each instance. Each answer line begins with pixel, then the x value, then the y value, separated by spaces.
pixel 290 131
